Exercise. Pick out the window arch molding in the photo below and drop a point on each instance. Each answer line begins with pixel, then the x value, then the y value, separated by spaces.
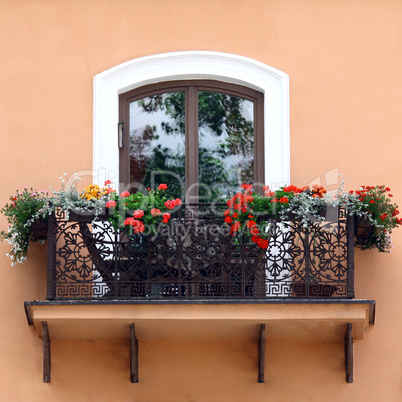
pixel 273 83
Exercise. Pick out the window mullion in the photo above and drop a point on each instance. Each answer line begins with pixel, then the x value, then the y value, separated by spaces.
pixel 192 144
pixel 124 152
pixel 259 169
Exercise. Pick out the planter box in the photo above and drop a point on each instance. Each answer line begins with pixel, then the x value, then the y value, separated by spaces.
pixel 87 216
pixel 363 229
pixel 39 230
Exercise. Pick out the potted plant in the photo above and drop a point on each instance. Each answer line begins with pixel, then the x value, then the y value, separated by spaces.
pixel 376 217
pixel 23 219
pixel 140 213
pixel 251 215
pixel 249 212
pixel 28 211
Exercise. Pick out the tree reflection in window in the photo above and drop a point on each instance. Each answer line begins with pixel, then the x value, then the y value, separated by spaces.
pixel 157 141
pixel 225 154
pixel 226 143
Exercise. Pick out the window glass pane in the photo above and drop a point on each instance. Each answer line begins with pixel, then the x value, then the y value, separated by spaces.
pixel 157 142
pixel 226 144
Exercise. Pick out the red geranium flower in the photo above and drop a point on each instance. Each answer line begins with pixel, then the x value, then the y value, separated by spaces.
pixel 139 213
pixel 129 221
pixel 111 204
pixel 155 212
pixel 170 204
pixel 263 243
pixel 235 227
pixel 228 219
pixel 166 217
pixel 254 230
pixel 247 187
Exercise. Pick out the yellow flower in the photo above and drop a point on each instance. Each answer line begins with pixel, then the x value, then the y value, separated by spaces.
pixel 93 191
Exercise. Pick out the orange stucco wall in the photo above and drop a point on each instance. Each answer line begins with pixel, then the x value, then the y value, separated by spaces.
pixel 344 61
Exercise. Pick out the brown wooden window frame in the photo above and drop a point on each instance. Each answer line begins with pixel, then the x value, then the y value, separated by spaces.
pixel 191 89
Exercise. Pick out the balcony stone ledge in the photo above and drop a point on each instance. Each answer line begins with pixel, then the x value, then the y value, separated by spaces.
pixel 301 319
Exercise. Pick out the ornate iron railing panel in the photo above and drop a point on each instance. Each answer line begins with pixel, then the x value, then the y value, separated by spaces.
pixel 196 257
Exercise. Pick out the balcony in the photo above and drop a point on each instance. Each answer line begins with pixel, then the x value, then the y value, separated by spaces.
pixel 193 278
pixel 196 257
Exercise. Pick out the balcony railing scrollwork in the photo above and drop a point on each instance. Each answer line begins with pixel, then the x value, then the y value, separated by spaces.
pixel 196 257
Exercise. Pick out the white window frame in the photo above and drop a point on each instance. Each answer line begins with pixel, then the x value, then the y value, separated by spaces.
pixel 273 83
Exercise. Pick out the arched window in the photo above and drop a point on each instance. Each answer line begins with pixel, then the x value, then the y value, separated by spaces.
pixel 203 138
pixel 250 74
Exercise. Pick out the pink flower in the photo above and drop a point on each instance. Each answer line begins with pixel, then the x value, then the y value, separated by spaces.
pixel 111 204
pixel 124 194
pixel 139 213
pixel 178 201
pixel 107 182
pixel 155 212
pixel 162 186
pixel 109 190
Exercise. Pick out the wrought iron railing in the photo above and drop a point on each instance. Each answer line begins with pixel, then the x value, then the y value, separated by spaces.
pixel 196 257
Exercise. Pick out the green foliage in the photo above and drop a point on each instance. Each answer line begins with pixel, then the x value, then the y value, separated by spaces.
pixel 141 213
pixel 20 213
pixel 30 205
pixel 374 204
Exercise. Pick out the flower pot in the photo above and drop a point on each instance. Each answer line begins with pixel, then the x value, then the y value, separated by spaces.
pixel 302 289
pixel 363 229
pixel 39 230
pixel 87 216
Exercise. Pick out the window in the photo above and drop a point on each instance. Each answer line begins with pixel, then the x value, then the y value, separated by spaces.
pixel 203 138
pixel 197 65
